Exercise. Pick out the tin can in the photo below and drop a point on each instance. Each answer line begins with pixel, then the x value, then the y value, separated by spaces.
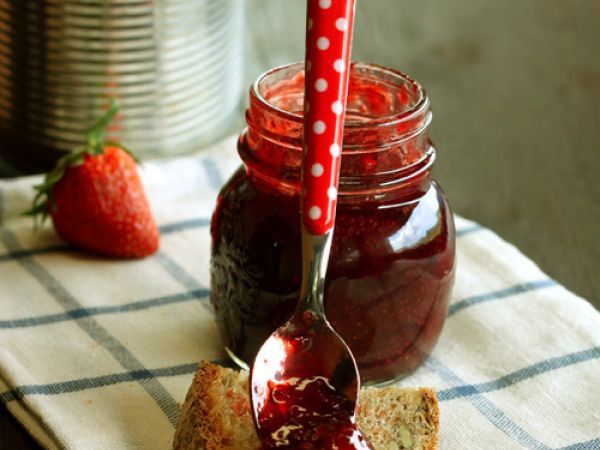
pixel 175 67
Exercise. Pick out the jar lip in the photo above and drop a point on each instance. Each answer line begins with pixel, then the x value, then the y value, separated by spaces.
pixel 419 107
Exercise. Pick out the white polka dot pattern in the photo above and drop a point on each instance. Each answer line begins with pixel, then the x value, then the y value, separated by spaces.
pixel 317 170
pixel 329 36
pixel 314 212
pixel 319 127
pixel 335 150
pixel 323 43
pixel 321 85
pixel 337 107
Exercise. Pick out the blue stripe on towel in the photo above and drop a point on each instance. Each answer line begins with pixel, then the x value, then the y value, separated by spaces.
pixel 468 230
pixel 593 444
pixel 184 225
pixel 548 365
pixel 17 254
pixel 99 310
pixel 177 272
pixel 81 384
pixel 491 412
pixel 496 295
pixel 215 178
pixel 168 228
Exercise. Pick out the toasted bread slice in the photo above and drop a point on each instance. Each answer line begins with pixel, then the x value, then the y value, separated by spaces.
pixel 216 415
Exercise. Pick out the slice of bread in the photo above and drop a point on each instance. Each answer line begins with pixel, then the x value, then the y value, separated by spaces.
pixel 216 415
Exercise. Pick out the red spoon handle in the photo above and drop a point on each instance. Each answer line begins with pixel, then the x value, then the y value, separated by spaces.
pixel 328 44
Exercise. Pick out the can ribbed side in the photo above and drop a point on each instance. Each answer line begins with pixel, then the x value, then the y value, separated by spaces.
pixel 175 66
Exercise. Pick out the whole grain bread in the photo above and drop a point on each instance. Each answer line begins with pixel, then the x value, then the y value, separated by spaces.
pixel 216 415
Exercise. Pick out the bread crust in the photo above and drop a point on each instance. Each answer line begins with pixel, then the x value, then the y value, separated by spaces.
pixel 216 415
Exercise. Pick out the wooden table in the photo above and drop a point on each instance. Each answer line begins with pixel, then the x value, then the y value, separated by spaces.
pixel 515 87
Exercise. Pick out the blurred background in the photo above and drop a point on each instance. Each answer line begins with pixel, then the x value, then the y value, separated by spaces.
pixel 515 88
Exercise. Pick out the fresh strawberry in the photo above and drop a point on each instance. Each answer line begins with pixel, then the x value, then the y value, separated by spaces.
pixel 96 199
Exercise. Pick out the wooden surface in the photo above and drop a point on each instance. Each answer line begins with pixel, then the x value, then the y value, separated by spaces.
pixel 515 87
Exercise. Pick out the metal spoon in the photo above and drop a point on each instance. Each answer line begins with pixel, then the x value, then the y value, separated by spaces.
pixel 304 381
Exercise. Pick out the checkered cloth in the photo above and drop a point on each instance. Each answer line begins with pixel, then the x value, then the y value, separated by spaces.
pixel 98 354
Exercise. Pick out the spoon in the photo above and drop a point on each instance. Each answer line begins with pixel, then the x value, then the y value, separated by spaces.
pixel 304 382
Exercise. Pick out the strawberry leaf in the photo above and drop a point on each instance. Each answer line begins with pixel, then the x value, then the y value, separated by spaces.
pixel 95 135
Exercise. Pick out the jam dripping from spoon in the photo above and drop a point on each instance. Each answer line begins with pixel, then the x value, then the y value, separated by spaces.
pixel 309 403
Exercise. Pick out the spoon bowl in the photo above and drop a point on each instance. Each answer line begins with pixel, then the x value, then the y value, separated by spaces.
pixel 306 387
pixel 305 347
pixel 304 381
pixel 303 366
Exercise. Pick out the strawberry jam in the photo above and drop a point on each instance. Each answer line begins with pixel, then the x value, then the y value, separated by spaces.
pixel 393 256
pixel 303 394
pixel 308 414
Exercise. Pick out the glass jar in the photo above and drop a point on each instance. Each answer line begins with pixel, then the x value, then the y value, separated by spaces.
pixel 393 253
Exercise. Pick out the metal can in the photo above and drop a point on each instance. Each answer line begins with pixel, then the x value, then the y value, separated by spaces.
pixel 175 67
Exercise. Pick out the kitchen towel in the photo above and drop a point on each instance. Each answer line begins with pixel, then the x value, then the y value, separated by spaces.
pixel 98 353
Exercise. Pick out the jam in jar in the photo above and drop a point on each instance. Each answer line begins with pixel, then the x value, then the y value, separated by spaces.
pixel 393 253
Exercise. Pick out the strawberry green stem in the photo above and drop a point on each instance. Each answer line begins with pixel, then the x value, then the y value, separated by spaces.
pixel 95 135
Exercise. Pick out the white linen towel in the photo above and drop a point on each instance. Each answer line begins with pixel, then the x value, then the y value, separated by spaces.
pixel 99 354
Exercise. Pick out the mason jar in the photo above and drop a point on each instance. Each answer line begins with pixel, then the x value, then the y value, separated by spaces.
pixel 392 261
